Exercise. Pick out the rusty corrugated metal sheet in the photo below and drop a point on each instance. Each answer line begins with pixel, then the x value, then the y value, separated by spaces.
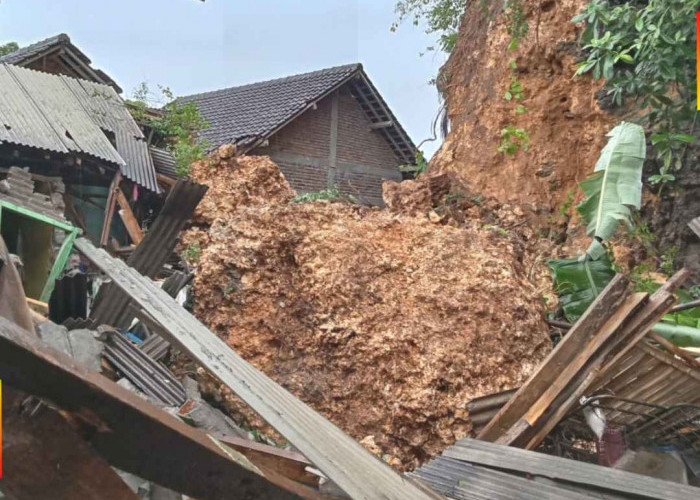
pixel 65 115
pixel 111 305
pixel 107 109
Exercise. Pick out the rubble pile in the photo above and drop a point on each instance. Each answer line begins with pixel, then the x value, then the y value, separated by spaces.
pixel 387 324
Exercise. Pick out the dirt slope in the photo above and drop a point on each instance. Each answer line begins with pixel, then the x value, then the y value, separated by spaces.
pixel 387 324
pixel 564 121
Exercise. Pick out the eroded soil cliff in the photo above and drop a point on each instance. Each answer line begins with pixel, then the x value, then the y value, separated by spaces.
pixel 565 123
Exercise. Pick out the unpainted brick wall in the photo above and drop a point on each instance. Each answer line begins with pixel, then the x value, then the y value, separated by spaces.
pixel 310 136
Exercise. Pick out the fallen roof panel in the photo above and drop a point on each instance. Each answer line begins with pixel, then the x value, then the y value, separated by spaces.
pixel 335 453
pixel 128 431
pixel 65 115
pixel 567 470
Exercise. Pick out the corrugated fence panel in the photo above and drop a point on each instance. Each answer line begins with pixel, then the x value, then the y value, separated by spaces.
pixel 111 304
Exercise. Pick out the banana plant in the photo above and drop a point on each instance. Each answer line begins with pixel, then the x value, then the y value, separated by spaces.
pixel 614 189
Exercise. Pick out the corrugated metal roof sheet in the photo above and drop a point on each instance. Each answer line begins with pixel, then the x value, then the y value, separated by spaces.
pixel 66 115
pixel 111 305
pixel 164 162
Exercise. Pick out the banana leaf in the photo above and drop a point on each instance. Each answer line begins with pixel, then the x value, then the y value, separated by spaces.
pixel 578 282
pixel 615 186
pixel 689 317
pixel 679 335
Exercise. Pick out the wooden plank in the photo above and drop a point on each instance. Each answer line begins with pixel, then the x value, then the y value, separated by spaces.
pixel 684 355
pixel 38 306
pixel 338 456
pixel 588 475
pixel 128 217
pixel 634 329
pixel 44 458
pixel 590 352
pixel 288 463
pixel 659 303
pixel 109 208
pixel 164 179
pixel 567 349
pixel 130 432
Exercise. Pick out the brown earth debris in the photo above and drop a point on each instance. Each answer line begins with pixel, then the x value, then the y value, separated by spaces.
pixel 386 323
pixel 565 123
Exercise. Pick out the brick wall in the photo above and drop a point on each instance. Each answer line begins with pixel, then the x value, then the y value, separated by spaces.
pixel 363 157
pixel 308 135
pixel 356 142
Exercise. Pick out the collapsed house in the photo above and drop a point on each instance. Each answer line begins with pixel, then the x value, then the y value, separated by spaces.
pixel 339 350
pixel 324 129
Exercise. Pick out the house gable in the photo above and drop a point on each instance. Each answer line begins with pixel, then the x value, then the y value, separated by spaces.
pixel 57 55
pixel 323 148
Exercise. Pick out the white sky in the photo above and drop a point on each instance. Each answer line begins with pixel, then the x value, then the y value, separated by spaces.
pixel 192 46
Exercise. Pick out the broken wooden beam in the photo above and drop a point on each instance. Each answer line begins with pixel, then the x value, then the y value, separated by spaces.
pixel 128 218
pixel 585 328
pixel 336 454
pixel 45 458
pixel 127 430
pixel 558 396
pixel 571 373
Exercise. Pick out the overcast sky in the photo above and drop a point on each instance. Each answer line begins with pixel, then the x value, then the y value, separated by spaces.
pixel 193 47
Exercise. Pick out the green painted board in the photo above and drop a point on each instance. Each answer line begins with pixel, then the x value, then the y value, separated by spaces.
pixel 58 265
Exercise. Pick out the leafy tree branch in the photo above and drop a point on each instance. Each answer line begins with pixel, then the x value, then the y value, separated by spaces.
pixel 174 126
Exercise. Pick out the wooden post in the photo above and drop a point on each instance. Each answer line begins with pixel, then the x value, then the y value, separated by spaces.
pixel 128 217
pixel 109 208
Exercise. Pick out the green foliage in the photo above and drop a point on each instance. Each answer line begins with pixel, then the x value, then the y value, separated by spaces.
pixel 441 17
pixel 420 166
pixel 515 89
pixel 566 206
pixel 668 260
pixel 8 48
pixel 516 25
pixel 513 139
pixel 641 278
pixel 176 125
pixel 332 194
pixel 645 52
pixel 642 234
pixel 615 186
pixel 192 253
pixel 578 282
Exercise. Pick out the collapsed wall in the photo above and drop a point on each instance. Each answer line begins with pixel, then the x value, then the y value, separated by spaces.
pixel 565 123
pixel 385 321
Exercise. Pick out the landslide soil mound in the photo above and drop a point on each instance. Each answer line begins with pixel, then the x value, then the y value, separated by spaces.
pixel 387 324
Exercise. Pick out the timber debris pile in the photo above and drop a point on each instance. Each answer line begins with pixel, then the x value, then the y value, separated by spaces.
pixel 384 323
